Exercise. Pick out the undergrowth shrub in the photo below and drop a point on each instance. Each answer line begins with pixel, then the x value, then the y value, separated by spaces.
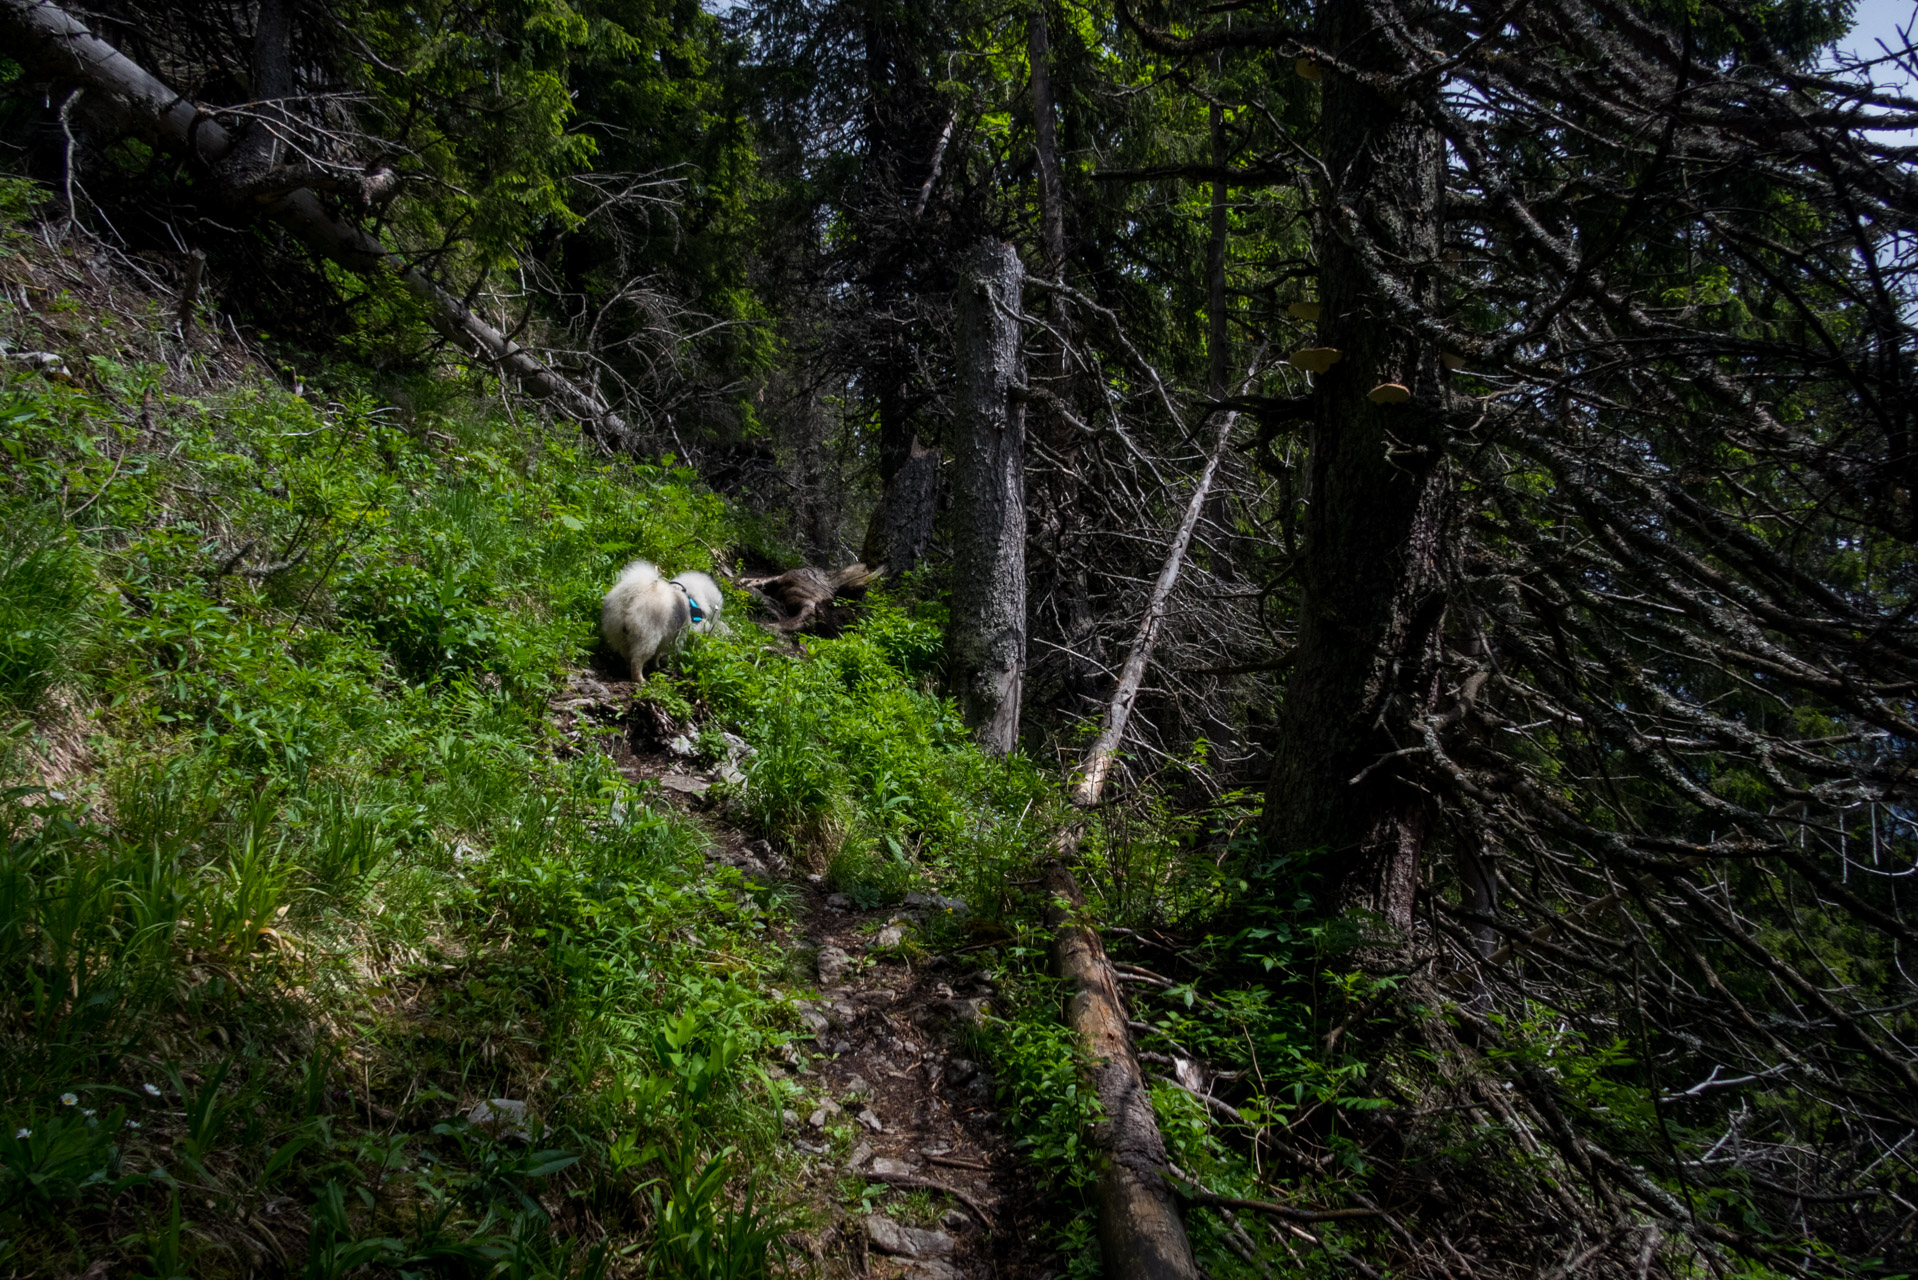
pixel 869 873
pixel 859 768
pixel 44 581
pixel 1043 1086
pixel 431 625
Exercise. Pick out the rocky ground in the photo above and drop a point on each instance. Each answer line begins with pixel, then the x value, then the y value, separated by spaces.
pixel 893 1132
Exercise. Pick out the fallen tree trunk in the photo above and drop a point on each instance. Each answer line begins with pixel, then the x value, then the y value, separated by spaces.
pixel 802 599
pixel 1140 1234
pixel 48 39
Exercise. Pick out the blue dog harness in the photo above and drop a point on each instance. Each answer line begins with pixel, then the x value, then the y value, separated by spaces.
pixel 692 605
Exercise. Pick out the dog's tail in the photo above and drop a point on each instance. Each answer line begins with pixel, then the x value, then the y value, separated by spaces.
pixel 637 574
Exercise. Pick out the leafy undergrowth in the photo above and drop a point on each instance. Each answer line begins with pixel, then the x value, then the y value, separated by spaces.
pixel 861 770
pixel 291 878
pixel 1374 1113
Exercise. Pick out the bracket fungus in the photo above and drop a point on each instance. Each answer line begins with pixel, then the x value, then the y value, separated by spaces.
pixel 1389 393
pixel 1316 359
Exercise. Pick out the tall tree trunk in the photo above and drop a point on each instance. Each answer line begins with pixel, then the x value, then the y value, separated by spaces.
pixel 1372 574
pixel 901 525
pixel 259 146
pixel 906 129
pixel 986 640
pixel 1062 606
pixel 1045 133
pixel 1216 343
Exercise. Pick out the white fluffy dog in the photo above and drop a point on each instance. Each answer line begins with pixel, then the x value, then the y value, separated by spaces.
pixel 646 616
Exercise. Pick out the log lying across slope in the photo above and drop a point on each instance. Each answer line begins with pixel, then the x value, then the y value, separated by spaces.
pixel 1140 1234
pixel 51 41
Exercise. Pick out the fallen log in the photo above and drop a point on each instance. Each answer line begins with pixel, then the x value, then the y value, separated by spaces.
pixel 801 599
pixel 47 39
pixel 1141 1236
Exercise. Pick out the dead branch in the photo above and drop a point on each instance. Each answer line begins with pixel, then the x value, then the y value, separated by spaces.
pixel 49 37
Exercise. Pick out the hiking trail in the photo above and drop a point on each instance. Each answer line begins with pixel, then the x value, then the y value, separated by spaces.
pixel 889 1092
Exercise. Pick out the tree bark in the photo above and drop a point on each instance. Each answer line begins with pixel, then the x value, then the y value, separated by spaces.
pixel 905 128
pixel 1061 610
pixel 1216 343
pixel 1375 527
pixel 1045 133
pixel 901 526
pixel 47 37
pixel 1218 340
pixel 986 639
pixel 259 146
pixel 1140 1234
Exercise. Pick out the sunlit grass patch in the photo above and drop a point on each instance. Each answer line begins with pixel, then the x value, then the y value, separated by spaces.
pixel 329 887
pixel 860 770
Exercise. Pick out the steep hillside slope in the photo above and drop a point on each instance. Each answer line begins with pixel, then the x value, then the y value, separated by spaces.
pixel 334 934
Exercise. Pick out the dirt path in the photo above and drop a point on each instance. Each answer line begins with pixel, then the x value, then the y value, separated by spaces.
pixel 889 1094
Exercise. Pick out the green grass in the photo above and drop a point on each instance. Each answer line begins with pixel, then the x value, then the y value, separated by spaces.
pixel 321 880
pixel 43 590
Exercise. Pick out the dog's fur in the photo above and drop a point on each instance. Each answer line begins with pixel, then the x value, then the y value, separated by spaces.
pixel 646 616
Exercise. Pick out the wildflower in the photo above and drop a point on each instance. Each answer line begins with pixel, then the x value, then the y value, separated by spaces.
pixel 133 1124
pixel 69 1099
pixel 88 1111
pixel 23 1133
pixel 153 1090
